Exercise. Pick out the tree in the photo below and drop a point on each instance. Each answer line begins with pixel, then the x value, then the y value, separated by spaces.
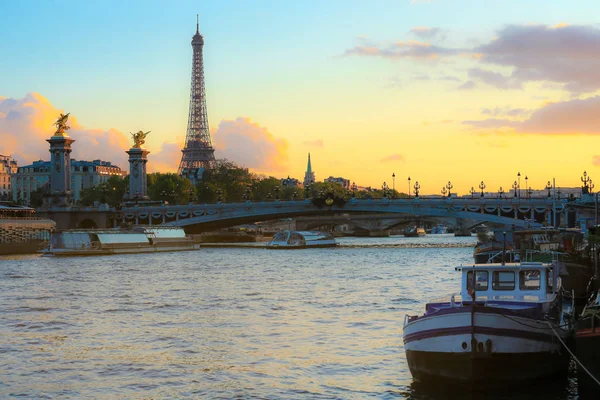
pixel 112 192
pixel 171 188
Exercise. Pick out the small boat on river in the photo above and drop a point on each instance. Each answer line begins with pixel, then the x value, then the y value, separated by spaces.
pixel 289 240
pixel 587 338
pixel 506 326
pixel 414 232
pixel 139 239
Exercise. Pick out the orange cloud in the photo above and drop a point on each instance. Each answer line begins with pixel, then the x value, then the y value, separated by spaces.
pixel 26 123
pixel 250 145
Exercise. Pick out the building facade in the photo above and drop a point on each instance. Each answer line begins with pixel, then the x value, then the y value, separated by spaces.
pixel 290 182
pixel 84 175
pixel 345 183
pixel 8 167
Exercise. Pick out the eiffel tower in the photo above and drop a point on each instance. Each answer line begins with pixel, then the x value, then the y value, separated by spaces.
pixel 198 153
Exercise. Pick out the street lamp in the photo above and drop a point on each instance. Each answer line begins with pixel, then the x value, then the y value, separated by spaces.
pixel 500 192
pixel 449 186
pixel 219 195
pixel 393 185
pixel 409 187
pixel 417 187
pixel 526 187
pixel 515 186
pixel 353 189
pixel 444 191
pixel 472 191
pixel 384 187
pixel 482 186
pixel 277 192
pixel 590 186
pixel 548 188
pixel 585 179
pixel 529 192
pixel 519 176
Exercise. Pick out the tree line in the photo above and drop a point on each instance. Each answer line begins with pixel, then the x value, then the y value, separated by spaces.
pixel 225 182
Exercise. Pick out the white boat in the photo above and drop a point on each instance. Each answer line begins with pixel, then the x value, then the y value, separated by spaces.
pixel 139 239
pixel 505 327
pixel 301 240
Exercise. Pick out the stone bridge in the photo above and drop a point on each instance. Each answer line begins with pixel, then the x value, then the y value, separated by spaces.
pixel 523 213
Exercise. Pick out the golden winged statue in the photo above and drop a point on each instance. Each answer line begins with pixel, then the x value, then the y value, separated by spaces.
pixel 138 138
pixel 61 124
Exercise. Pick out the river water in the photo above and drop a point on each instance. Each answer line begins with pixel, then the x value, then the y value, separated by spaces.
pixel 230 323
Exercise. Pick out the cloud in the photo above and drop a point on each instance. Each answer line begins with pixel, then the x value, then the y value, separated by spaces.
pixel 564 55
pixel 468 85
pixel 393 157
pixel 449 78
pixel 569 55
pixel 579 116
pixel 494 79
pixel 596 161
pixel 492 123
pixel 250 145
pixel 403 49
pixel 166 159
pixel 423 32
pixel 26 123
pixel 505 112
pixel 314 143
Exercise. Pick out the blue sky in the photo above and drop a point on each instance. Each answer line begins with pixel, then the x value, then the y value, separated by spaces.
pixel 126 65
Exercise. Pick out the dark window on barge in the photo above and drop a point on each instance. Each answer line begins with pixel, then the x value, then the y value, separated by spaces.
pixel 481 280
pixel 529 280
pixel 503 280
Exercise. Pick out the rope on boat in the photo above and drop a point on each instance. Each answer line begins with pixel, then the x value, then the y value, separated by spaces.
pixel 573 355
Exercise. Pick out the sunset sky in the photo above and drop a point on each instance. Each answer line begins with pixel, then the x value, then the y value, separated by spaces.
pixel 436 90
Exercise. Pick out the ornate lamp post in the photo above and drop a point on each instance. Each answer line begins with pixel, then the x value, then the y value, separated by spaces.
pixel 526 187
pixel 590 186
pixel 519 177
pixel 472 191
pixel 515 187
pixel 393 185
pixel 529 192
pixel 219 195
pixel 277 188
pixel 384 188
pixel 353 189
pixel 444 191
pixel 548 188
pixel 482 186
pixel 417 187
pixel 307 192
pixel 449 187
pixel 409 187
pixel 500 192
pixel 585 179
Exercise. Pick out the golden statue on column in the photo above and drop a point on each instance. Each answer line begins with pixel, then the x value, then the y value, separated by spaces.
pixel 138 138
pixel 61 125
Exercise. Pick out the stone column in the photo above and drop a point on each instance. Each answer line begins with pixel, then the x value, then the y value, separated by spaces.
pixel 137 173
pixel 60 170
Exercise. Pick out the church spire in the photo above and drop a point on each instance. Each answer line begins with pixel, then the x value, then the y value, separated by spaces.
pixel 309 176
